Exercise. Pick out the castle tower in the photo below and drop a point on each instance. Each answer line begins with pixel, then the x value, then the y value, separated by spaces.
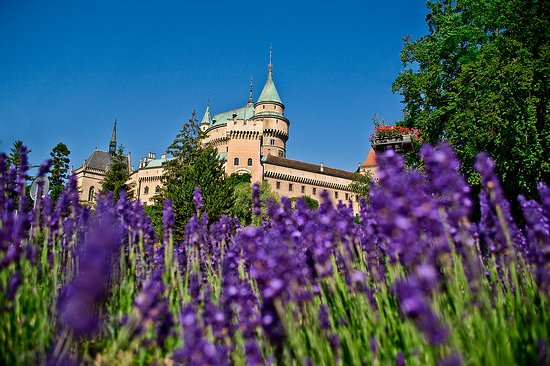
pixel 270 110
pixel 206 119
pixel 112 144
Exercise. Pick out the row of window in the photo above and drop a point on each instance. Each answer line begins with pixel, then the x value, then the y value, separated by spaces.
pixel 146 190
pixel 236 161
pixel 313 190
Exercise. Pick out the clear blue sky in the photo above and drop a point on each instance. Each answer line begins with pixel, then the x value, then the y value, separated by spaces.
pixel 68 68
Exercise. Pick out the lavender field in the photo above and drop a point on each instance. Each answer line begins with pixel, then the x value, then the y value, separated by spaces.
pixel 415 282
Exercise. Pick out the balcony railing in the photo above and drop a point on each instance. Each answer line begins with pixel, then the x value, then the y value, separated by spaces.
pixel 399 143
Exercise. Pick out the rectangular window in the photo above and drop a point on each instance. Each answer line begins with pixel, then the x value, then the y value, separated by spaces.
pixel 336 195
pixel 347 196
pixel 290 187
pixel 272 141
pixel 314 190
pixel 303 189
pixel 278 185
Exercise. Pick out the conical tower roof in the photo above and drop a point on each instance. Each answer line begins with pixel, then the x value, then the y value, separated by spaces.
pixel 269 92
pixel 206 120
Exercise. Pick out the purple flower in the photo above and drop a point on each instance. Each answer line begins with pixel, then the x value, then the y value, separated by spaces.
pixel 451 360
pixel 197 199
pixel 13 284
pixel 324 322
pixel 256 202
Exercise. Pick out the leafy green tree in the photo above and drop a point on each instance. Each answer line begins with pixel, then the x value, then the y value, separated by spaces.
pixel 117 176
pixel 361 184
pixel 60 169
pixel 242 206
pixel 311 202
pixel 480 80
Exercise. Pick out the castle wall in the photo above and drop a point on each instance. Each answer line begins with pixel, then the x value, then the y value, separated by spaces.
pixel 291 182
pixel 146 183
pixel 86 179
pixel 244 143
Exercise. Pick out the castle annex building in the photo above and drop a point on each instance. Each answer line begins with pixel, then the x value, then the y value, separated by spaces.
pixel 251 139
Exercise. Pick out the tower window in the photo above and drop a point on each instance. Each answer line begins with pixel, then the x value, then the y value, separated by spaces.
pixel 146 190
pixel 347 196
pixel 236 161
pixel 303 189
pixel 249 162
pixel 272 141
pixel 280 153
pixel 336 195
pixel 275 107
pixel 314 190
pixel 278 185
pixel 263 107
pixel 91 194
pixel 290 187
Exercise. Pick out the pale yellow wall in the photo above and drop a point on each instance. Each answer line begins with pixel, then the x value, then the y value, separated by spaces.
pixel 150 178
pixel 86 179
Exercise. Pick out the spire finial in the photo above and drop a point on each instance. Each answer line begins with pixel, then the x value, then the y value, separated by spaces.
pixel 250 97
pixel 270 67
pixel 208 104
pixel 112 143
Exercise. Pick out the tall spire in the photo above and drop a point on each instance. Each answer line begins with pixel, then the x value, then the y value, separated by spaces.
pixel 112 144
pixel 270 66
pixel 269 92
pixel 250 101
pixel 206 119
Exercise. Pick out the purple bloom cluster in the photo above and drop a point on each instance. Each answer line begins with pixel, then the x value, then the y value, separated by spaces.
pixel 240 293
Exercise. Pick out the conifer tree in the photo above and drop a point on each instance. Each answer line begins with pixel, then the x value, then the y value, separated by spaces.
pixel 117 176
pixel 60 169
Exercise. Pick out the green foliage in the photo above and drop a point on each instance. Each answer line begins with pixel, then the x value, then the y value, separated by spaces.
pixel 60 169
pixel 207 172
pixel 242 201
pixel 480 80
pixel 117 176
pixel 361 184
pixel 13 157
pixel 155 213
pixel 311 202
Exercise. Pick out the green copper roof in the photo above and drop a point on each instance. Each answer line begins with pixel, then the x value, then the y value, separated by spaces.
pixel 206 120
pixel 246 112
pixel 269 93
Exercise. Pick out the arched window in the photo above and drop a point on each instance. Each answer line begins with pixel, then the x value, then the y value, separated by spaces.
pixel 236 161
pixel 91 194
pixel 146 190
pixel 249 161
pixel 157 189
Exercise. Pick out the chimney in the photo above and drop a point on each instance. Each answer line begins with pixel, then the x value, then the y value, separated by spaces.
pixel 163 156
pixel 322 167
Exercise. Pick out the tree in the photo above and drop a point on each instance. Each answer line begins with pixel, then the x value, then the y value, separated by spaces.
pixel 117 176
pixel 60 169
pixel 242 195
pixel 207 172
pixel 13 157
pixel 480 81
pixel 361 184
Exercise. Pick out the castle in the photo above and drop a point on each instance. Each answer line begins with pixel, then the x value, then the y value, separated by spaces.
pixel 251 139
